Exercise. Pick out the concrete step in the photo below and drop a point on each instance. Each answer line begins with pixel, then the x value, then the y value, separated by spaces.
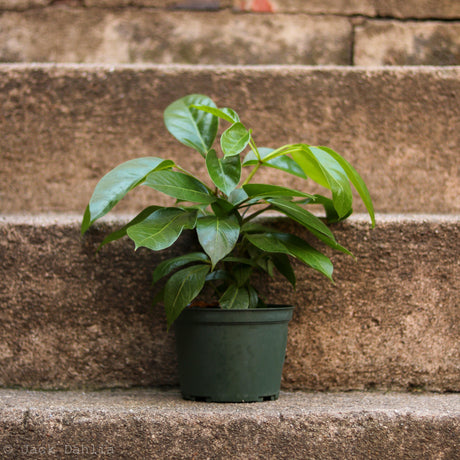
pixel 158 424
pixel 71 318
pixel 64 126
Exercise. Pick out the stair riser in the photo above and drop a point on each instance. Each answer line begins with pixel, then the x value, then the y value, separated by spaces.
pixel 65 126
pixel 74 319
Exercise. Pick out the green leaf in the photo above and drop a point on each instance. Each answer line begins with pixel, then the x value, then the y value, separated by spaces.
pixel 235 298
pixel 167 266
pixel 217 235
pixel 162 228
pixel 117 234
pixel 328 205
pixel 282 163
pixel 266 190
pixel 117 183
pixel 235 139
pixel 194 128
pixel 254 227
pixel 241 274
pixel 239 260
pixel 238 196
pixel 180 186
pixel 356 180
pixel 182 288
pixel 253 297
pixel 301 215
pixel 283 265
pixel 308 220
pixel 326 171
pixel 285 243
pixel 225 173
pixel 218 275
pixel 226 114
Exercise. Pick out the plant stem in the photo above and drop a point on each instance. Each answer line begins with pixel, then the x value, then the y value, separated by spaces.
pixel 254 148
pixel 251 174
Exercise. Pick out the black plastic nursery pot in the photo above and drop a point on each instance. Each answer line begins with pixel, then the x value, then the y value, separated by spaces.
pixel 232 355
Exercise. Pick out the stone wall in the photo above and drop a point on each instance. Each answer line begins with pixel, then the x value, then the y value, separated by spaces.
pixel 251 32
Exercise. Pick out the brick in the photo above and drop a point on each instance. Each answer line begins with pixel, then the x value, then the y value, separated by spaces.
pixel 72 318
pixel 136 36
pixel 341 7
pixel 408 43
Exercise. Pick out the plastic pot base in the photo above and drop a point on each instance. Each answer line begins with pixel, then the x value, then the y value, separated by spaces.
pixel 232 355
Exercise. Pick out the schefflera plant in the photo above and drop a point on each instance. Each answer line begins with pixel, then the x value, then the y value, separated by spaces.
pixel 222 209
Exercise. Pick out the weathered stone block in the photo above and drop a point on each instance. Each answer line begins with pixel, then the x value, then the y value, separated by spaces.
pixel 408 43
pixel 429 9
pixel 63 127
pixel 22 4
pixel 342 7
pixel 132 36
pixel 72 318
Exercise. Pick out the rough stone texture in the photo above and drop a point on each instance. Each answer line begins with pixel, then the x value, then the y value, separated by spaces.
pixel 155 424
pixel 135 35
pixel 22 4
pixel 71 318
pixel 192 5
pixel 62 127
pixel 431 9
pixel 408 43
pixel 343 7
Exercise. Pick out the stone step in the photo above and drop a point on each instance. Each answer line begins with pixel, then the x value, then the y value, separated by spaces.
pixel 64 126
pixel 158 424
pixel 71 318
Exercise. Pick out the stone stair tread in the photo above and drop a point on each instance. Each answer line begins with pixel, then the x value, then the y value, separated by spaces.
pixel 157 423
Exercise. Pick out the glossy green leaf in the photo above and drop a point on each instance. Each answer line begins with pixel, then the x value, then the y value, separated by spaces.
pixel 267 190
pixel 308 220
pixel 217 235
pixel 241 274
pixel 225 172
pixel 162 228
pixel 194 128
pixel 237 196
pixel 283 265
pixel 180 186
pixel 356 180
pixel 253 297
pixel 117 234
pixel 301 215
pixel 226 114
pixel 182 288
pixel 328 205
pixel 239 260
pixel 326 171
pixel 235 298
pixel 117 183
pixel 235 139
pixel 285 243
pixel 282 162
pixel 167 266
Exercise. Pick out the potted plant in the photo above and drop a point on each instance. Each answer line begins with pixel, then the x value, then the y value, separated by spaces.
pixel 234 349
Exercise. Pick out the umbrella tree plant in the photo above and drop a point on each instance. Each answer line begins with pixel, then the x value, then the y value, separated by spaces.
pixel 222 208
